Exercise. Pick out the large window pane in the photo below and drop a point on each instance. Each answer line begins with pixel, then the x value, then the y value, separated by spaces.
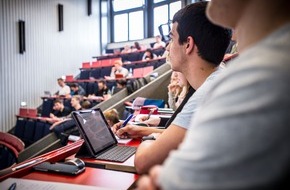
pixel 136 25
pixel 160 17
pixel 174 7
pixel 119 5
pixel 121 27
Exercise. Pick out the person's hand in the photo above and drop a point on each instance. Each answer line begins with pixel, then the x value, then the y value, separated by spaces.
pixel 173 87
pixel 152 121
pixel 149 182
pixel 116 127
pixel 130 131
pixel 51 115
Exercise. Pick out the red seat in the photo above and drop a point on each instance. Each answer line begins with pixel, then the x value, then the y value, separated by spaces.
pixel 96 64
pixel 69 78
pixel 12 142
pixel 106 63
pixel 86 65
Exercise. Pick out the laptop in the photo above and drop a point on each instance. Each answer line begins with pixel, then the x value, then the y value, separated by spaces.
pixel 100 141
pixel 47 93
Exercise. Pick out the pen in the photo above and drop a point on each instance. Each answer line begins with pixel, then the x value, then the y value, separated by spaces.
pixel 12 187
pixel 126 121
pixel 150 113
pixel 26 164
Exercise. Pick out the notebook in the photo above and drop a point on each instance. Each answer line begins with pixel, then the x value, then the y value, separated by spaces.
pixel 100 141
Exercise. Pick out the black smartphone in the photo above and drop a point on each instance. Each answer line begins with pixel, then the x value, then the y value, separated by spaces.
pixel 60 168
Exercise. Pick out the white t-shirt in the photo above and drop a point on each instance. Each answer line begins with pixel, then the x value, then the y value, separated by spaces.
pixel 239 138
pixel 64 90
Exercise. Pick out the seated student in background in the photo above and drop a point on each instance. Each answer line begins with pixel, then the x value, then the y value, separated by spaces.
pixel 127 49
pixel 239 139
pixel 136 47
pixel 76 105
pixel 64 90
pixel 121 84
pixel 196 50
pixel 112 116
pixel 76 89
pixel 177 90
pixel 159 43
pixel 118 69
pixel 59 110
pixel 102 92
pixel 148 55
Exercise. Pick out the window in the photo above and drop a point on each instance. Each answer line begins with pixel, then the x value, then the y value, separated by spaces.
pixel 120 5
pixel 121 27
pixel 136 25
pixel 158 20
pixel 167 11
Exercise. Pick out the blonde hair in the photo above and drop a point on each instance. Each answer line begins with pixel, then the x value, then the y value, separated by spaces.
pixel 118 62
pixel 112 115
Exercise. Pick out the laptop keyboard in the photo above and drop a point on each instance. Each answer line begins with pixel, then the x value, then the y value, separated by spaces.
pixel 117 153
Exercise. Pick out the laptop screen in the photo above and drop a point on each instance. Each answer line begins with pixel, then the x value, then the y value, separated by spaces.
pixel 94 129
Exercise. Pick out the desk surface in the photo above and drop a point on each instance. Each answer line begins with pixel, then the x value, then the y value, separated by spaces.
pixel 91 176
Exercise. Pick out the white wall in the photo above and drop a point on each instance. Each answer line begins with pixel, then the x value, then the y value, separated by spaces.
pixel 49 54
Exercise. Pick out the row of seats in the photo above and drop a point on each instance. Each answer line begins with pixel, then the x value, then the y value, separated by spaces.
pixel 133 56
pixel 30 131
pixel 98 73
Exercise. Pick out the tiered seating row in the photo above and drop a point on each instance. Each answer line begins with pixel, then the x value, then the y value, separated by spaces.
pixel 100 72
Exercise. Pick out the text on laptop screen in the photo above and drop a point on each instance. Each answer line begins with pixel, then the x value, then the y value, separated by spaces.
pixel 96 129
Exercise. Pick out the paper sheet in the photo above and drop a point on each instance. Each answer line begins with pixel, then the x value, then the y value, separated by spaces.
pixel 27 184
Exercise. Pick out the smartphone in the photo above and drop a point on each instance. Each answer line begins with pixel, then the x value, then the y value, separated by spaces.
pixel 60 168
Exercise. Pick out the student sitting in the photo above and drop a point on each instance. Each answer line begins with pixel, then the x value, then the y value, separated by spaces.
pixel 59 111
pixel 189 53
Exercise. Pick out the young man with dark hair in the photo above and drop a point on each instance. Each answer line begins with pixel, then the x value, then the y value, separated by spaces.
pixel 76 89
pixel 64 90
pixel 239 139
pixel 59 110
pixel 197 55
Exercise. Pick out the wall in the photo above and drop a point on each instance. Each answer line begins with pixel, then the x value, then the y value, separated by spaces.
pixel 49 54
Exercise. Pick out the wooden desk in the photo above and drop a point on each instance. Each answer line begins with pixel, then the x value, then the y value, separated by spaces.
pixel 127 166
pixel 91 176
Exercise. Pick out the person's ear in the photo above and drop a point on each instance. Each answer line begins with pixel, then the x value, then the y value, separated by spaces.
pixel 190 44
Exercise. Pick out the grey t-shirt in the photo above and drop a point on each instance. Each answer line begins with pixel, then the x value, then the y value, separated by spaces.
pixel 239 138
pixel 183 118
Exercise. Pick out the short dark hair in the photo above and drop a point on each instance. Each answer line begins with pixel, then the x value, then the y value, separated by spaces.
pixel 211 40
pixel 57 101
pixel 74 85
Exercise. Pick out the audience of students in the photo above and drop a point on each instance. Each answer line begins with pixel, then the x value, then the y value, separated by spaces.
pixel 238 139
pixel 196 52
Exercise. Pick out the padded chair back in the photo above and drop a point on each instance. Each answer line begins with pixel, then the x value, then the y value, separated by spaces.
pixel 10 146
